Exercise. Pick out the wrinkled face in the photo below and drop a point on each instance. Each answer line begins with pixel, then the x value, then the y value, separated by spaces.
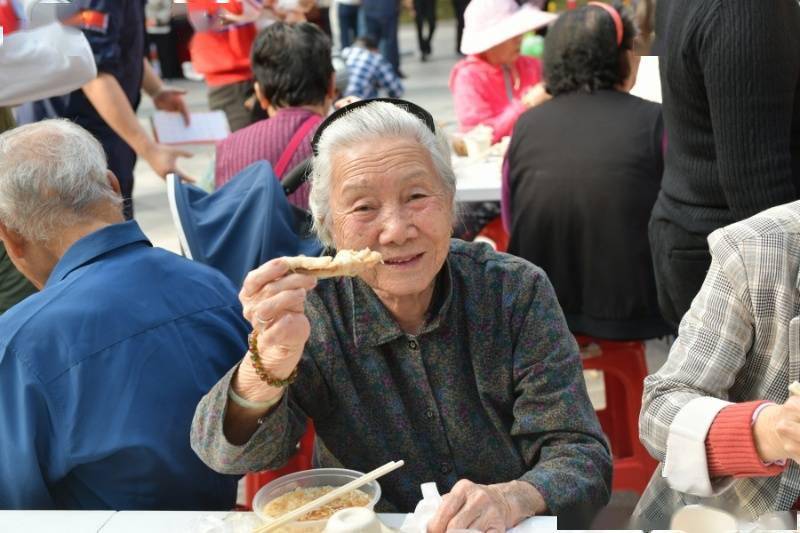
pixel 504 53
pixel 387 196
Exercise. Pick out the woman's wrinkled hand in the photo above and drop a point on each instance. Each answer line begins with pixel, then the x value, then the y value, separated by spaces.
pixel 493 508
pixel 471 506
pixel 273 301
pixel 776 432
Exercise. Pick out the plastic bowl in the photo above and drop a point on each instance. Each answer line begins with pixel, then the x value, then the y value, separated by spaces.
pixel 334 477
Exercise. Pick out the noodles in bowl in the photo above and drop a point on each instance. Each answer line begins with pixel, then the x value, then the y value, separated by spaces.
pixel 294 490
pixel 301 496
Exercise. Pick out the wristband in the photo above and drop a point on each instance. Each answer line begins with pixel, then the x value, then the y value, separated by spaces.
pixel 247 404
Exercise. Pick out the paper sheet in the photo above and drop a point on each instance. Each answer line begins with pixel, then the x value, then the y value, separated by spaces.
pixel 206 127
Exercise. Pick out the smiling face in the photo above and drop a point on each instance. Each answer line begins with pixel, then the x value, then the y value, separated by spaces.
pixel 504 53
pixel 386 195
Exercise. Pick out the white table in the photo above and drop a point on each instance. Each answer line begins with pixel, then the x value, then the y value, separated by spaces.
pixel 478 180
pixel 49 521
pixel 648 81
pixel 168 522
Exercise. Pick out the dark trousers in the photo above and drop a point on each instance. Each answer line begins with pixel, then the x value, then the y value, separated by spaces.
pixel 348 23
pixel 383 28
pixel 680 262
pixel 167 48
pixel 230 99
pixel 425 12
pixel 121 160
pixel 459 6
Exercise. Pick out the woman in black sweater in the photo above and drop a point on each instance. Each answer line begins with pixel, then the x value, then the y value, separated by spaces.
pixel 583 173
pixel 730 76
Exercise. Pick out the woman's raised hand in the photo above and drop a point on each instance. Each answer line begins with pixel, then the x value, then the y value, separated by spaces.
pixel 273 300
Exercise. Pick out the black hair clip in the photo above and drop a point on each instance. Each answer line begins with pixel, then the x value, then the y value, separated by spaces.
pixel 405 105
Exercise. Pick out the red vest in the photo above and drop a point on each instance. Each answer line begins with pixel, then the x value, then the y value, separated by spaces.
pixel 223 56
pixel 8 17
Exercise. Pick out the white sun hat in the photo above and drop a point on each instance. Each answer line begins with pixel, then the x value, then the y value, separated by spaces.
pixel 488 23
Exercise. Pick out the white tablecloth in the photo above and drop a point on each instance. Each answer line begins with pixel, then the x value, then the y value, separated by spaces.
pixel 53 521
pixel 648 82
pixel 477 181
pixel 171 522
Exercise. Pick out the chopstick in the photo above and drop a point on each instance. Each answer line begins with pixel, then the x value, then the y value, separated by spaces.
pixel 332 495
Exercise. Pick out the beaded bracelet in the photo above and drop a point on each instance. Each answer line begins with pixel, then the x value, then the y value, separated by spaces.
pixel 263 375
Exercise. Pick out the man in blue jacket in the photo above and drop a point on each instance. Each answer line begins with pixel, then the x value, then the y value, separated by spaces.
pixel 101 370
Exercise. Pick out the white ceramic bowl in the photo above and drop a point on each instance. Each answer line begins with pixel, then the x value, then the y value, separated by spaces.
pixel 355 520
pixel 703 519
pixel 319 477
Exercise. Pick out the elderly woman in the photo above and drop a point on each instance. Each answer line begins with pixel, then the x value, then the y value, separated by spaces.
pixel 718 414
pixel 584 170
pixel 494 84
pixel 448 355
pixel 295 85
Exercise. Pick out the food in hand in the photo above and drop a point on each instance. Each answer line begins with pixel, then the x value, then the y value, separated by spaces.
pixel 459 146
pixel 346 263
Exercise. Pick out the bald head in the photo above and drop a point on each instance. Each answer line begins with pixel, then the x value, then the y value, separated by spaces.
pixel 53 176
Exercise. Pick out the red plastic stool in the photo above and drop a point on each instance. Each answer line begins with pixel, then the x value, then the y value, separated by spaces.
pixel 624 368
pixel 494 231
pixel 298 462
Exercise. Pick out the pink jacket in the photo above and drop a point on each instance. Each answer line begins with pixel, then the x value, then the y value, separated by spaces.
pixel 480 95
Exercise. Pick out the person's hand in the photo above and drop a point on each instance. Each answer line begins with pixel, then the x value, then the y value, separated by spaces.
pixel 294 16
pixel 163 160
pixel 347 100
pixel 535 95
pixel 492 508
pixel 470 506
pixel 777 431
pixel 171 99
pixel 250 13
pixel 273 301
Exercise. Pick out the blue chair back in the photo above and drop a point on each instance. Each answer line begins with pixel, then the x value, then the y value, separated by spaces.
pixel 238 227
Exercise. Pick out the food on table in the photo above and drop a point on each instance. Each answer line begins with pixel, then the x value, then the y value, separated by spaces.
pixel 459 146
pixel 477 143
pixel 478 140
pixel 346 263
pixel 303 495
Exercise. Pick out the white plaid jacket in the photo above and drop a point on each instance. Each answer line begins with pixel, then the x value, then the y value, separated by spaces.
pixel 740 341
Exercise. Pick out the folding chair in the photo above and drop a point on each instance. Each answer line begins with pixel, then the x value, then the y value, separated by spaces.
pixel 240 226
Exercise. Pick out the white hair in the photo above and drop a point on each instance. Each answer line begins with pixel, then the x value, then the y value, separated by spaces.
pixel 361 126
pixel 52 176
